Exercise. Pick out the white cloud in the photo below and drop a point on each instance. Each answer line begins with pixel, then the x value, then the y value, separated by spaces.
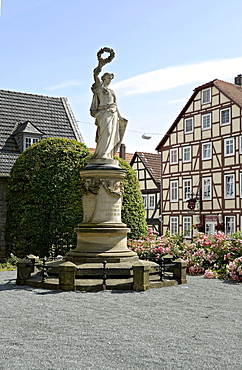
pixel 65 84
pixel 170 77
pixel 177 101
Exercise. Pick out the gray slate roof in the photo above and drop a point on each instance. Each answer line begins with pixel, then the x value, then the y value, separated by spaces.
pixel 50 116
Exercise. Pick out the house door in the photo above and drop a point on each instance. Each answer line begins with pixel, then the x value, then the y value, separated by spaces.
pixel 210 227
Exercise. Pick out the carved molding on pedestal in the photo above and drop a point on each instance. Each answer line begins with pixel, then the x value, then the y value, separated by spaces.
pixel 114 188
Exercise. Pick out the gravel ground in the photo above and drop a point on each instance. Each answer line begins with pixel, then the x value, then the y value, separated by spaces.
pixel 192 326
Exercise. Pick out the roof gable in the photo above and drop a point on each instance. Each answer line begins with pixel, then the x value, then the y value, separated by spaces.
pixel 152 163
pixel 27 128
pixel 231 91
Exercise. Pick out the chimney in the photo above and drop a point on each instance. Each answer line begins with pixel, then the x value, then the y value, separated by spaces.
pixel 238 80
pixel 122 151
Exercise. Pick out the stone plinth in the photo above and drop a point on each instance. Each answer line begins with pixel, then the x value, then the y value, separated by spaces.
pixel 102 235
pixel 97 244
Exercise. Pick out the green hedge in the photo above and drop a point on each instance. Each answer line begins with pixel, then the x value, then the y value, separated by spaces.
pixel 44 198
pixel 133 211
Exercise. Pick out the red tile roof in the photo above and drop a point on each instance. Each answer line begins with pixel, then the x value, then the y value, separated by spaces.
pixel 152 162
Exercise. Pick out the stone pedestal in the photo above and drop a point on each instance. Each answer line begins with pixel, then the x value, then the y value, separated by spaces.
pixel 102 235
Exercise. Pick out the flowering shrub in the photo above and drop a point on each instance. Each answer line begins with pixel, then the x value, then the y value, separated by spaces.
pixel 234 269
pixel 214 256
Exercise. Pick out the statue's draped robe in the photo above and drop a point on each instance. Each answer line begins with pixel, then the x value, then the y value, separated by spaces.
pixel 110 127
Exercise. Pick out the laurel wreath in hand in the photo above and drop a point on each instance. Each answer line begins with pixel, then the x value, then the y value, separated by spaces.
pixel 108 59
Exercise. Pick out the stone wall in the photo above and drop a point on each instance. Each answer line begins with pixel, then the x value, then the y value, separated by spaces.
pixel 3 214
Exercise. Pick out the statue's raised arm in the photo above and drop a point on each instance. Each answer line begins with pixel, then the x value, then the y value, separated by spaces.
pixel 110 125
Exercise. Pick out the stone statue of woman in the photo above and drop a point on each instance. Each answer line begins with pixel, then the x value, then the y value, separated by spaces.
pixel 110 125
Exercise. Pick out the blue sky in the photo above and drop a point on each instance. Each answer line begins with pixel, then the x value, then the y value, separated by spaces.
pixel 164 49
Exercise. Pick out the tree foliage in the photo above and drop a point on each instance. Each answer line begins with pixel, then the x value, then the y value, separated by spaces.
pixel 44 198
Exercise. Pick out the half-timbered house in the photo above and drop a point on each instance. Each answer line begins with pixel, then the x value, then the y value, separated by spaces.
pixel 201 162
pixel 24 120
pixel 148 171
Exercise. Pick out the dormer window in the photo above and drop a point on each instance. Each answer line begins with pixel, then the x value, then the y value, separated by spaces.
pixel 28 141
pixel 26 134
pixel 206 96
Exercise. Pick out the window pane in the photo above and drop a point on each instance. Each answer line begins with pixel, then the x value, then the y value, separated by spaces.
pixel 174 155
pixel 151 201
pixel 187 154
pixel 188 125
pixel 241 185
pixel 206 96
pixel 229 146
pixel 224 116
pixel 27 142
pixel 187 189
pixel 145 200
pixel 187 225
pixel 174 190
pixel 206 188
pixel 206 121
pixel 230 224
pixel 207 151
pixel 229 186
pixel 174 225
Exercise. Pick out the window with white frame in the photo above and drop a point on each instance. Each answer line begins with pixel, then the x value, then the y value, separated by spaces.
pixel 206 121
pixel 207 188
pixel 207 151
pixel 187 189
pixel 174 225
pixel 186 154
pixel 229 224
pixel 151 201
pixel 188 125
pixel 240 144
pixel 28 141
pixel 174 190
pixel 229 186
pixel 240 185
pixel 187 226
pixel 174 155
pixel 206 96
pixel 145 200
pixel 225 116
pixel 229 146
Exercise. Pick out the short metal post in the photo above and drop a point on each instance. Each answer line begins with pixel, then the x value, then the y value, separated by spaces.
pixel 44 270
pixel 162 268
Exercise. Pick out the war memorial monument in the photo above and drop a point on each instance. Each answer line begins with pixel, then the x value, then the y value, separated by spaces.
pixel 101 259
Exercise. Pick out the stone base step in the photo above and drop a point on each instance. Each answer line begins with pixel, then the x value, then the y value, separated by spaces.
pixel 95 285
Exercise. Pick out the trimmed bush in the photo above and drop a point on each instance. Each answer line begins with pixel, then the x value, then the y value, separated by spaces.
pixel 133 211
pixel 43 197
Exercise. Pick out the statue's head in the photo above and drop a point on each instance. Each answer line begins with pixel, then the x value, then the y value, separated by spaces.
pixel 107 78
